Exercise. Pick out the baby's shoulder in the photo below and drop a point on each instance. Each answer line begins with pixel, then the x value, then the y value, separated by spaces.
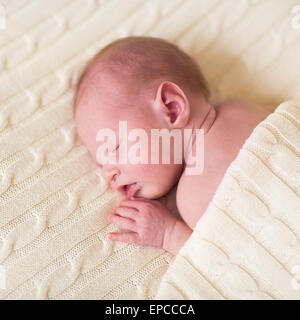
pixel 234 123
pixel 238 111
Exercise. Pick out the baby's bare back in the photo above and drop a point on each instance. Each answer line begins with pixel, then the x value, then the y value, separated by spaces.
pixel 234 124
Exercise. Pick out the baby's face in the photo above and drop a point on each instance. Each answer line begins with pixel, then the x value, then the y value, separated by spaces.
pixel 103 109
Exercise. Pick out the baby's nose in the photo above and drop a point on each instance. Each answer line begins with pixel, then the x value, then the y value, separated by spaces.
pixel 111 175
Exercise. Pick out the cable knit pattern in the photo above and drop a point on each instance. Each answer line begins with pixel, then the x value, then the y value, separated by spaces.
pixel 54 202
pixel 247 245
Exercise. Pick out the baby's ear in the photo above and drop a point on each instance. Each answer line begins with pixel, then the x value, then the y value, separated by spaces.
pixel 172 104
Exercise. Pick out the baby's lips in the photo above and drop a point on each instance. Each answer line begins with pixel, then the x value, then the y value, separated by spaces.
pixel 121 190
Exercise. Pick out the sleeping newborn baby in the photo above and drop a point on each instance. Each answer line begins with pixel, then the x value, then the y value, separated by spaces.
pixel 152 84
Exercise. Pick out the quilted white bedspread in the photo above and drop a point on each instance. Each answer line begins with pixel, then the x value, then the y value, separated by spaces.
pixel 53 202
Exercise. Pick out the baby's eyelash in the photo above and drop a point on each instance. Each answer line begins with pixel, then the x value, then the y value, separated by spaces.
pixel 117 147
pixel 114 150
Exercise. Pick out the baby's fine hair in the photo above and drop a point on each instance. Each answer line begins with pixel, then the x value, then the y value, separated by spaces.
pixel 148 60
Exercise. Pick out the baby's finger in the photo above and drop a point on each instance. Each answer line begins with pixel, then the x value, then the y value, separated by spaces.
pixel 124 223
pixel 131 203
pixel 130 237
pixel 127 212
pixel 141 199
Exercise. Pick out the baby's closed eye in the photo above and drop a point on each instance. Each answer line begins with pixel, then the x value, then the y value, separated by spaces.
pixel 116 148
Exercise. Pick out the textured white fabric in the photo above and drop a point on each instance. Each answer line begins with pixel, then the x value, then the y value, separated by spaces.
pixel 53 205
pixel 247 245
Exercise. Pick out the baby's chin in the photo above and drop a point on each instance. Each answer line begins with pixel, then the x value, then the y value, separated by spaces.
pixel 152 191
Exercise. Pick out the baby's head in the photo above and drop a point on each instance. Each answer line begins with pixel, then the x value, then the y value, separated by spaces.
pixel 151 84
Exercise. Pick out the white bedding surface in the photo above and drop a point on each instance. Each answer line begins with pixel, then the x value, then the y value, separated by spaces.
pixel 53 205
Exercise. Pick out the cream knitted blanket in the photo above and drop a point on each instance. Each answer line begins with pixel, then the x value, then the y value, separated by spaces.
pixel 53 202
pixel 247 244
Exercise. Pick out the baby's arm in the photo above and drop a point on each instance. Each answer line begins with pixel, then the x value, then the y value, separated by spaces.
pixel 150 223
pixel 177 237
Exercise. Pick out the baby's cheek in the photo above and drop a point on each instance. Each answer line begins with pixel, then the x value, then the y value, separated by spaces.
pixel 135 171
pixel 154 183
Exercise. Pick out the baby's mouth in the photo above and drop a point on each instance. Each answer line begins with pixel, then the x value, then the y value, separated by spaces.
pixel 128 189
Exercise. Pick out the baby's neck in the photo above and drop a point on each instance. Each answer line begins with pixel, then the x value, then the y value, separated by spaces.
pixel 208 120
pixel 204 116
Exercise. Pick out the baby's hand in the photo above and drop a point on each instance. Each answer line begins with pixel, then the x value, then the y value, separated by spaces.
pixel 149 221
